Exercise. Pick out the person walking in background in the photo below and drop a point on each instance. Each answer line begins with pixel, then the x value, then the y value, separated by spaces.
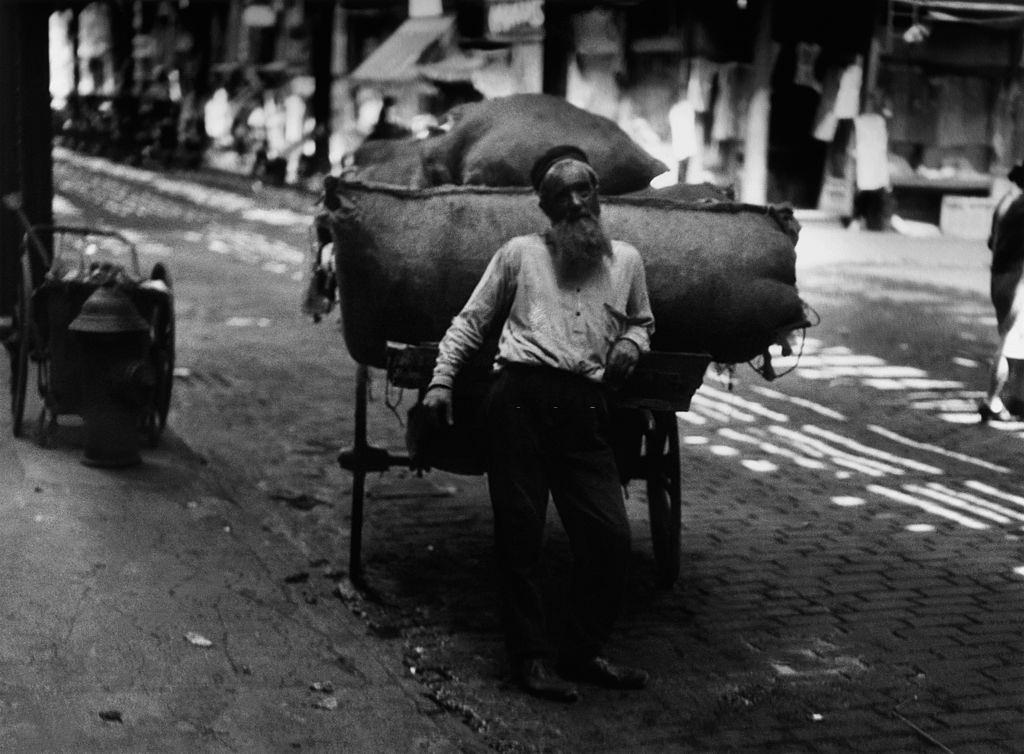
pixel 575 317
pixel 1007 370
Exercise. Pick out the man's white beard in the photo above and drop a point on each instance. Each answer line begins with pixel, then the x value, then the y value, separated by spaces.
pixel 579 244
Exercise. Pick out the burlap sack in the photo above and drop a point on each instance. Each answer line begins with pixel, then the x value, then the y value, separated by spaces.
pixel 394 161
pixel 721 275
pixel 496 142
pixel 689 192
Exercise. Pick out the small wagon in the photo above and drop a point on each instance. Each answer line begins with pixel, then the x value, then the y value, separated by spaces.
pixel 62 266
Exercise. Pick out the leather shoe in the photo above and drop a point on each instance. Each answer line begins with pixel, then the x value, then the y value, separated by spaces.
pixel 536 677
pixel 599 671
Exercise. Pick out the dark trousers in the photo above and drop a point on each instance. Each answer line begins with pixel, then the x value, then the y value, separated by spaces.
pixel 548 433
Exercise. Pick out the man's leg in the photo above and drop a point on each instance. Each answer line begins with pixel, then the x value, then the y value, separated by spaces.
pixel 586 488
pixel 519 492
pixel 588 496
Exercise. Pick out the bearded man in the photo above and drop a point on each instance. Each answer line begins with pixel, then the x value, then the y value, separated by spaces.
pixel 575 317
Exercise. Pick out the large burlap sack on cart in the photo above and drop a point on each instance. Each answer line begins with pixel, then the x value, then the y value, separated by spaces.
pixel 721 275
pixel 496 142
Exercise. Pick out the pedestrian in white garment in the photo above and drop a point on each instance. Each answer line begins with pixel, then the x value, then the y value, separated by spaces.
pixel 1007 291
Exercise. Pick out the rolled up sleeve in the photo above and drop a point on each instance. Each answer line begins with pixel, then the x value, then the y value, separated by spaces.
pixel 470 326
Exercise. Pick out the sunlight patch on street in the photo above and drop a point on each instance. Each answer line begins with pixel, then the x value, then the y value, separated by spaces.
pixel 759 465
pixel 927 506
pixel 724 450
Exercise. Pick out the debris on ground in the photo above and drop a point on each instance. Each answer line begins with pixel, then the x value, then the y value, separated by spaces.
pixel 197 639
pixel 345 589
pixel 324 687
pixel 451 704
pixel 327 703
pixel 302 501
pixel 384 630
pixel 111 716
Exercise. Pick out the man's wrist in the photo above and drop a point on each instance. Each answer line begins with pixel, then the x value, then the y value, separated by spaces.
pixel 440 385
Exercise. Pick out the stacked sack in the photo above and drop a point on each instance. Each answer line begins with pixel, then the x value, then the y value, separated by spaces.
pixel 495 143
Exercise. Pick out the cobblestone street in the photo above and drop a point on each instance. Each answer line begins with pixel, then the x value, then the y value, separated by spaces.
pixel 852 563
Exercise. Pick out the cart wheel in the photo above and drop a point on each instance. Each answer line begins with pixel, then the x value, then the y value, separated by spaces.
pixel 22 346
pixel 163 358
pixel 664 498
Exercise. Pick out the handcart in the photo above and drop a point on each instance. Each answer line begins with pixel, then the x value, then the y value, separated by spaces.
pixel 61 267
pixel 721 278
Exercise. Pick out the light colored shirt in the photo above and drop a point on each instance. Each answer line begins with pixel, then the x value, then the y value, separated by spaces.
pixel 565 325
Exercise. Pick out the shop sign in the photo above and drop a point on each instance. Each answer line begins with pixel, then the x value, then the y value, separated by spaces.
pixel 517 19
pixel 259 15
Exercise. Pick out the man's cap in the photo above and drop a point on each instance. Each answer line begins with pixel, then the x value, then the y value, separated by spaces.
pixel 550 157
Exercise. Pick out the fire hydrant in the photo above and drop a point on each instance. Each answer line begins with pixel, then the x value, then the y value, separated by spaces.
pixel 117 380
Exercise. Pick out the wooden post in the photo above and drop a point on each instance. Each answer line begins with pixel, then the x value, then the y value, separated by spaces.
pixel 754 188
pixel 321 20
pixel 25 131
pixel 9 230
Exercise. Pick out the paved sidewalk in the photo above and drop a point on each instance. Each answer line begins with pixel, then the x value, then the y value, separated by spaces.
pixel 106 572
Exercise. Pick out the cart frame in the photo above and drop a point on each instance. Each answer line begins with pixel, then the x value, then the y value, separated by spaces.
pixel 646 444
pixel 33 336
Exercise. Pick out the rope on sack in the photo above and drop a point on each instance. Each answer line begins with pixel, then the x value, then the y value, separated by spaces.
pixel 765 369
pixel 393 403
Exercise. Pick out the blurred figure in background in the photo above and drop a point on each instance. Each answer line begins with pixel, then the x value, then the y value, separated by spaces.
pixel 1007 244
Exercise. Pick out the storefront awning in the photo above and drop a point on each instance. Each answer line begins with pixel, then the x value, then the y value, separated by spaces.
pixel 455 68
pixel 996 14
pixel 396 60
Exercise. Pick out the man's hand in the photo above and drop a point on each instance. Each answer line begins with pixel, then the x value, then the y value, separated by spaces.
pixel 622 361
pixel 438 401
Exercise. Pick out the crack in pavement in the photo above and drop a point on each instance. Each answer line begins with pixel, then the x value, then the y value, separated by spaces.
pixel 235 667
pixel 79 609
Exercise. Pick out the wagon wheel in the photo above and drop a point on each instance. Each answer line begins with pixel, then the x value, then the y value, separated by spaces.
pixel 22 334
pixel 163 358
pixel 664 498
